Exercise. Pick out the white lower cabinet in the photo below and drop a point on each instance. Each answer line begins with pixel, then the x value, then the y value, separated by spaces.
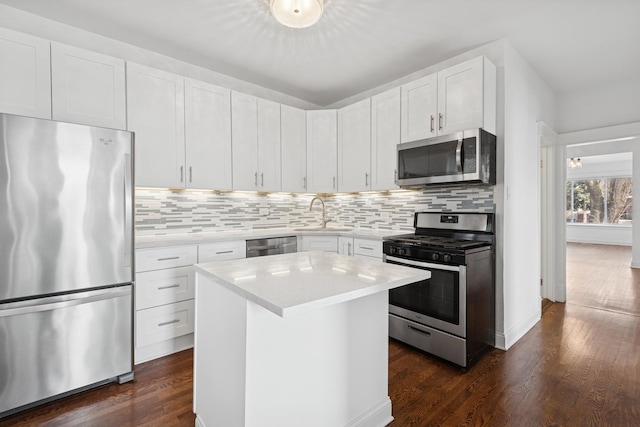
pixel 161 324
pixel 220 251
pixel 165 289
pixel 367 248
pixel 318 243
pixel 165 292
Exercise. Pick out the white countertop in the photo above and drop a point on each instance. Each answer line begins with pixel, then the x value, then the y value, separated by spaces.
pixel 221 236
pixel 294 283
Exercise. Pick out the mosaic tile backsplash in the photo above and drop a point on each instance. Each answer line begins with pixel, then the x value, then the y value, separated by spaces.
pixel 166 211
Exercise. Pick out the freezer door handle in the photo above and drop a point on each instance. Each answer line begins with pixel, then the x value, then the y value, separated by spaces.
pixel 62 301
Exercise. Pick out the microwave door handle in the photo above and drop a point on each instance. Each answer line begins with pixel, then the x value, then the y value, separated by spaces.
pixel 459 156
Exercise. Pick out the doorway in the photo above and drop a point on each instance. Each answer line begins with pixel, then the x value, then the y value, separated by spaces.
pixel 554 149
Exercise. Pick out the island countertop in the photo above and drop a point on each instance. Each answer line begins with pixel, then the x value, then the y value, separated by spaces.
pixel 295 283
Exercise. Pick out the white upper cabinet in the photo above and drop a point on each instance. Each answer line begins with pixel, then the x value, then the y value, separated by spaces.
pixel 322 151
pixel 467 97
pixel 244 133
pixel 293 138
pixel 419 108
pixel 155 110
pixel 458 98
pixel 87 87
pixel 25 75
pixel 208 136
pixel 269 162
pixel 385 136
pixel 354 147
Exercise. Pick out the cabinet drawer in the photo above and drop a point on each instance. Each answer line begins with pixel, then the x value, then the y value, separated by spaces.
pixel 161 287
pixel 169 257
pixel 372 248
pixel 165 322
pixel 222 250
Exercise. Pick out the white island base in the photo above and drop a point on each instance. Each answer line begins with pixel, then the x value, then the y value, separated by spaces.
pixel 326 365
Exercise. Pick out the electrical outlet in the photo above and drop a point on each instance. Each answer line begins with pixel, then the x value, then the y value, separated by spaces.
pixel 264 211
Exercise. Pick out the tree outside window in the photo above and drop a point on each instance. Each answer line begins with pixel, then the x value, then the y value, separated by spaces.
pixel 599 201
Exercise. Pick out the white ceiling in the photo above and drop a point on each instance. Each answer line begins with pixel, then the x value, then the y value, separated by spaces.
pixel 574 45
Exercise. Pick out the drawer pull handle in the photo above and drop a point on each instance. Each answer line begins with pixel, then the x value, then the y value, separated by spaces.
pixel 224 252
pixel 369 248
pixel 169 258
pixel 168 287
pixel 420 330
pixel 169 322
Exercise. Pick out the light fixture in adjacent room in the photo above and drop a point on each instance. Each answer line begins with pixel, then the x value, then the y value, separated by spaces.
pixel 297 13
pixel 575 163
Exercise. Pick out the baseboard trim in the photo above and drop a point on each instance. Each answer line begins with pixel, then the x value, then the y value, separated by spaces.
pixel 163 348
pixel 500 340
pixel 377 416
pixel 518 331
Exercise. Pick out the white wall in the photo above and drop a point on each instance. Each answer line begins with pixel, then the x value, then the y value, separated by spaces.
pixel 600 234
pixel 595 107
pixel 25 22
pixel 528 100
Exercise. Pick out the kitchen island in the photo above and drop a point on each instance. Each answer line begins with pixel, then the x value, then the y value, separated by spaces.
pixel 295 339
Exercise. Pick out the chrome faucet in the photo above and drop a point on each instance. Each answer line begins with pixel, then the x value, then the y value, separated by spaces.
pixel 324 217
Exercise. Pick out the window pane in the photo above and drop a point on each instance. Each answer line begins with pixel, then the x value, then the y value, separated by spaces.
pixel 619 200
pixel 570 215
pixel 588 200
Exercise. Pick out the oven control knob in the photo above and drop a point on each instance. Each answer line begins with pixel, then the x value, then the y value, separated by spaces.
pixel 435 256
pixel 446 258
pixel 401 251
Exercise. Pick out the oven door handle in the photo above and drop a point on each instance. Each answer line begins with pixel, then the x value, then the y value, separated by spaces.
pixel 412 263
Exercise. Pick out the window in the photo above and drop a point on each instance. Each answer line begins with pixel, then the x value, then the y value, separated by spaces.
pixel 599 201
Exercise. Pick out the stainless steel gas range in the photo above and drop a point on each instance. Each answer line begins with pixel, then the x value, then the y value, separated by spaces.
pixel 452 314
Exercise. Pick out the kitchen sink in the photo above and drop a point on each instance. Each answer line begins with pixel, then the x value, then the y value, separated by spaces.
pixel 322 229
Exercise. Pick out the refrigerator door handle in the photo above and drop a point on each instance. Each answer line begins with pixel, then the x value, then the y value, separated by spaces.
pixel 62 301
pixel 128 232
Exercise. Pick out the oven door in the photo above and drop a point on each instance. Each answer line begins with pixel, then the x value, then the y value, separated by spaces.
pixel 438 302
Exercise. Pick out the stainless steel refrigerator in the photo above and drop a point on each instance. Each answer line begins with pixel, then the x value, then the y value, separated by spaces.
pixel 66 259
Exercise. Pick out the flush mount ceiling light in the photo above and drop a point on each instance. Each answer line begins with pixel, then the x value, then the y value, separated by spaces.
pixel 297 13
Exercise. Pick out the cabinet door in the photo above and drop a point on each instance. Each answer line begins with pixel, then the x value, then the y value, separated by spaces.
pixel 25 75
pixel 460 97
pixel 385 136
pixel 155 110
pixel 87 87
pixel 345 245
pixel 208 136
pixel 293 139
pixel 244 134
pixel 319 243
pixel 322 151
pixel 419 108
pixel 354 147
pixel 269 165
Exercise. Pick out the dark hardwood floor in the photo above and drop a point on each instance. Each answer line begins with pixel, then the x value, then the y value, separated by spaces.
pixel 579 366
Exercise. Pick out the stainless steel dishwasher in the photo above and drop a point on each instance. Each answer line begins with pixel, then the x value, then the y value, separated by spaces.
pixel 272 246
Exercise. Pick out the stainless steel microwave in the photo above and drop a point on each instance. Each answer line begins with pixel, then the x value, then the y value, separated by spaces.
pixel 468 156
